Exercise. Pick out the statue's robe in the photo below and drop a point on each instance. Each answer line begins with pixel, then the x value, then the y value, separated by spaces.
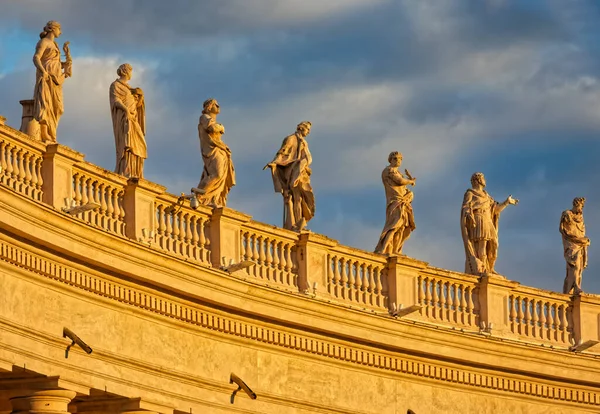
pixel 218 175
pixel 129 128
pixel 291 177
pixel 479 222
pixel 572 229
pixel 399 217
pixel 48 104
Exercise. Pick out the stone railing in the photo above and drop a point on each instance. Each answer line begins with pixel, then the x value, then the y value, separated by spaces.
pixel 21 163
pixel 448 298
pixel 181 231
pixel 539 315
pixel 307 263
pixel 105 190
pixel 357 277
pixel 273 250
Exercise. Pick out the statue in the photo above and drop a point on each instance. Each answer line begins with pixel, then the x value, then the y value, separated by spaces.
pixel 218 175
pixel 291 177
pixel 50 74
pixel 399 218
pixel 128 112
pixel 479 225
pixel 575 245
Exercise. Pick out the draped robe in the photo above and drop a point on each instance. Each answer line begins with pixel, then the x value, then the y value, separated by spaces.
pixel 399 217
pixel 48 95
pixel 218 175
pixel 129 128
pixel 291 177
pixel 572 229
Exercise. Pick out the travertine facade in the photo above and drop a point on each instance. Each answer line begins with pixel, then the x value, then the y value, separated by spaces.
pixel 307 327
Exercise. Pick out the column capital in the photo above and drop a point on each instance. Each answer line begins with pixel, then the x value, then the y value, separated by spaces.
pixel 43 402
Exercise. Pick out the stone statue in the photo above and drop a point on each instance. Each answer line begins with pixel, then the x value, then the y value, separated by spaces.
pixel 575 245
pixel 291 177
pixel 218 175
pixel 479 225
pixel 49 77
pixel 128 112
pixel 399 218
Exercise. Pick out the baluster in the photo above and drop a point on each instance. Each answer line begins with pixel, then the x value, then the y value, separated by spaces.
pixel 85 182
pixel 563 324
pixel 512 313
pixel 181 233
pixel 542 332
pixel 420 292
pixel 448 302
pixel 76 193
pixel 260 250
pixel 94 215
pixel 351 280
pixel 379 285
pixel 185 234
pixel 468 293
pixel 38 169
pixel 15 163
pixel 110 208
pixel 520 314
pixel 9 161
pixel 268 259
pixel 248 246
pixel 344 275
pixel 3 157
pixel 161 225
pixel 253 252
pixel 277 261
pixel 170 218
pixel 121 223
pixel 102 198
pixel 553 321
pixel 27 167
pixel 357 282
pixel 289 263
pixel 336 277
pixel 364 285
pixel 527 321
pixel 457 316
pixel 536 318
pixel 34 175
pixel 436 297
pixel 203 240
pixel 20 157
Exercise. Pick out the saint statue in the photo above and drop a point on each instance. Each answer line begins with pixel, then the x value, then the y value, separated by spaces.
pixel 218 175
pixel 399 218
pixel 50 74
pixel 479 225
pixel 291 177
pixel 575 245
pixel 128 112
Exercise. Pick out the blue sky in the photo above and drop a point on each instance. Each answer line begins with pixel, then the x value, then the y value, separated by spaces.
pixel 509 88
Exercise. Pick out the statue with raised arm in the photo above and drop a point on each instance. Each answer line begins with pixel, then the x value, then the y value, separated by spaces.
pixel 479 226
pixel 291 177
pixel 218 175
pixel 575 245
pixel 399 218
pixel 128 112
pixel 50 74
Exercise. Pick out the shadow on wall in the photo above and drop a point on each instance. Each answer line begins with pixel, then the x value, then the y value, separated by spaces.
pixel 410 412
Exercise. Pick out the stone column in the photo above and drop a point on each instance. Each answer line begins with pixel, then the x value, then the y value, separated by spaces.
pixel 226 235
pixel 57 173
pixel 43 402
pixel 493 303
pixel 311 253
pixel 586 318
pixel 138 203
pixel 402 274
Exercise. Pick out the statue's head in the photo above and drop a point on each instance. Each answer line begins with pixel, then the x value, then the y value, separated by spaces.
pixel 51 27
pixel 478 178
pixel 578 203
pixel 304 128
pixel 211 106
pixel 395 158
pixel 125 71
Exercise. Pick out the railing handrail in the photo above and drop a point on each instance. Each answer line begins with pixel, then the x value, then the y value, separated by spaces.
pixel 37 147
pixel 100 173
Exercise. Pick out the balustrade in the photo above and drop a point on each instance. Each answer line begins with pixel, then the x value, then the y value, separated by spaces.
pixel 538 315
pixel 273 251
pixel 448 299
pixel 357 277
pixel 181 230
pixel 103 188
pixel 21 164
